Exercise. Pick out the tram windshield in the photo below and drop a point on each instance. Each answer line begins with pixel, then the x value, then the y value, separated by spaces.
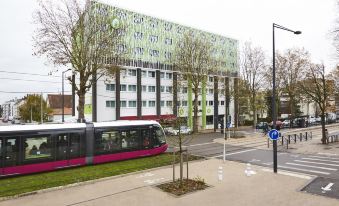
pixel 160 135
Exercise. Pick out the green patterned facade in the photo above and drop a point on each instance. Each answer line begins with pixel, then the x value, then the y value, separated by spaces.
pixel 150 42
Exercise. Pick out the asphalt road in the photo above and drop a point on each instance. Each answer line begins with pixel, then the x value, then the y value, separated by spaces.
pixel 319 164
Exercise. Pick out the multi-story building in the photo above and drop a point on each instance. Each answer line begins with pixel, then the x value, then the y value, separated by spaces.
pixel 147 87
pixel 8 110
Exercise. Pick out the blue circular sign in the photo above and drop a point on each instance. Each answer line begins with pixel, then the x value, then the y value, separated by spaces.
pixel 273 134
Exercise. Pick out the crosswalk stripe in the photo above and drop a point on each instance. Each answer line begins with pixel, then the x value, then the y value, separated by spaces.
pixel 318 163
pixel 330 158
pixel 306 158
pixel 304 170
pixel 323 168
pixel 228 154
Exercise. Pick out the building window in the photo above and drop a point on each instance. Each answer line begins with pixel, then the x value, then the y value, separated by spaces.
pixel 123 87
pixel 132 103
pixel 210 91
pixel 151 103
pixel 168 41
pixel 168 27
pixel 144 88
pixel 180 30
pixel 169 89
pixel 110 103
pixel 138 51
pixel 162 75
pixel 209 119
pixel 162 88
pixel 184 90
pixel 222 103
pixel 154 53
pixel 110 87
pixel 168 55
pixel 132 88
pixel 138 35
pixel 169 103
pixel 123 104
pixel 153 39
pixel 199 103
pixel 143 73
pixel 153 23
pixel 122 48
pixel 151 74
pixel 151 88
pixel 138 19
pixel 210 79
pixel 169 75
pixel 144 103
pixel 210 103
pixel 162 103
pixel 38 148
pixel 132 72
pixel 184 103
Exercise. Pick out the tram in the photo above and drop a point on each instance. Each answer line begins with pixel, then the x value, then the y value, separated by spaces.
pixel 26 149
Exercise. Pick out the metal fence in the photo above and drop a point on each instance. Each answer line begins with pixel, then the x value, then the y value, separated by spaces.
pixel 287 139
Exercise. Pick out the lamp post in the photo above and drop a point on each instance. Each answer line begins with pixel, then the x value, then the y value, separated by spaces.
pixel 274 115
pixel 63 97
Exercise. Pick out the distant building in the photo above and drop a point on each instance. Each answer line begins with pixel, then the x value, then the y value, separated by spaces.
pixel 8 109
pixel 54 101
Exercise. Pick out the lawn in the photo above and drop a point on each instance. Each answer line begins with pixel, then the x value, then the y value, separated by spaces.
pixel 28 183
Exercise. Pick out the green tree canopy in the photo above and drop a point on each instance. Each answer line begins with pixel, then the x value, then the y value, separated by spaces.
pixel 31 110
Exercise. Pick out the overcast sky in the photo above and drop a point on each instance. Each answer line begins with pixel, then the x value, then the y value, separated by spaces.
pixel 240 19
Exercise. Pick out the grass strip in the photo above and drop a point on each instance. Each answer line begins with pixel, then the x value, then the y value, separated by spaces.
pixel 29 183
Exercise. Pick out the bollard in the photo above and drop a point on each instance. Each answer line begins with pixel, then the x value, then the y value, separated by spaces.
pixel 268 143
pixel 289 139
pixel 301 137
pixel 282 141
pixel 295 138
pixel 248 170
pixel 306 136
pixel 311 135
pixel 287 144
pixel 220 173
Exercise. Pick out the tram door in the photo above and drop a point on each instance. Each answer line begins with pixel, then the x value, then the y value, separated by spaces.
pixel 1 156
pixel 10 153
pixel 68 147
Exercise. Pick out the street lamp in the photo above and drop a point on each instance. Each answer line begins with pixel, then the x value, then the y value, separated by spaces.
pixel 63 97
pixel 274 115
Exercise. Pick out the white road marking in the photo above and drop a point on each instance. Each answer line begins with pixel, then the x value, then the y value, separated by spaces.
pixel 318 163
pixel 323 168
pixel 330 158
pixel 255 160
pixel 153 181
pixel 289 174
pixel 327 188
pixel 194 145
pixel 267 163
pixel 305 170
pixel 295 156
pixel 329 154
pixel 306 158
pixel 249 150
pixel 148 174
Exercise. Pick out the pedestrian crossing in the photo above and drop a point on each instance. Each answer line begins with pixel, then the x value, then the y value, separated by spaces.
pixel 318 165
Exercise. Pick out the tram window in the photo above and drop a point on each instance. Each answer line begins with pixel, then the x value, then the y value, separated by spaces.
pixel 159 136
pixel 146 142
pixel 107 142
pixel 130 139
pixel 11 148
pixel 37 147
pixel 74 145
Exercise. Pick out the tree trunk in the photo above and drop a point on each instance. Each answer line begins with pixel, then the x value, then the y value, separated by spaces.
pixel 324 138
pixel 195 111
pixel 254 110
pixel 81 106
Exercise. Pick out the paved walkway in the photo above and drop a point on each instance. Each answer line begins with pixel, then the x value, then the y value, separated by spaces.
pixel 263 188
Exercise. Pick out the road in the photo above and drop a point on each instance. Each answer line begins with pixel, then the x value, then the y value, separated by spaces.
pixel 248 152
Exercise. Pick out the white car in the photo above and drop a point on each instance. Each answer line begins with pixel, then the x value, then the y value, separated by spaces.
pixel 312 120
pixel 286 123
pixel 183 130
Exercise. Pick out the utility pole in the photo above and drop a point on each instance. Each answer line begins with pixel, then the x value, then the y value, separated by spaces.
pixel 41 110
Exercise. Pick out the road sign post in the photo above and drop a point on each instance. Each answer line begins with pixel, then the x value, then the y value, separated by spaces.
pixel 274 135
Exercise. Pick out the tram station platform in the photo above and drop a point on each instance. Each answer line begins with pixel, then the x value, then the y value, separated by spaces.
pixel 236 188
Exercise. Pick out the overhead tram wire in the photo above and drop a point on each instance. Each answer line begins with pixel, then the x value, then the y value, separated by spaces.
pixel 32 74
pixel 30 92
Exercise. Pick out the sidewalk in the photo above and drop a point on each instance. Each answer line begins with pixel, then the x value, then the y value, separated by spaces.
pixel 263 188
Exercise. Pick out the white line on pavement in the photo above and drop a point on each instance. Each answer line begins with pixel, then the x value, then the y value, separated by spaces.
pixel 306 158
pixel 249 150
pixel 193 145
pixel 329 154
pixel 305 170
pixel 289 174
pixel 318 163
pixel 323 168
pixel 330 158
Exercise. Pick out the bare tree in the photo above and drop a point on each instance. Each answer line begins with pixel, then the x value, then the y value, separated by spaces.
pixel 253 71
pixel 335 32
pixel 290 68
pixel 193 60
pixel 317 88
pixel 85 38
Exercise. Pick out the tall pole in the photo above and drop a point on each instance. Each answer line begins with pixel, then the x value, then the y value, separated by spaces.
pixel 274 116
pixel 41 110
pixel 63 98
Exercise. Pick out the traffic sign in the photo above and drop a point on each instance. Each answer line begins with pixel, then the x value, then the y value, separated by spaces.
pixel 273 134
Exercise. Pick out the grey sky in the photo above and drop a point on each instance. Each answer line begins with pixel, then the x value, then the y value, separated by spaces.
pixel 240 19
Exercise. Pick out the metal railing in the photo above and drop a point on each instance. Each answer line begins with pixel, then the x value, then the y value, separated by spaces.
pixel 333 138
pixel 286 140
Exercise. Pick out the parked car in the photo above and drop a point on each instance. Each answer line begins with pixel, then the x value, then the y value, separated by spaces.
pixel 286 123
pixel 16 121
pixel 183 130
pixel 312 120
pixel 261 125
